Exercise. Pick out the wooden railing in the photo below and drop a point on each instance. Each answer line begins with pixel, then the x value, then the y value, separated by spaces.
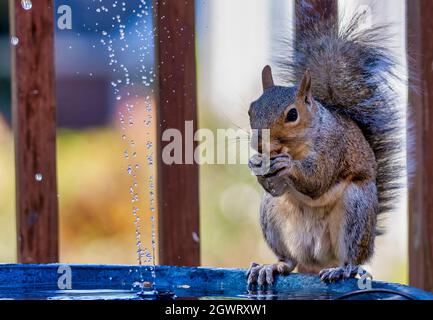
pixel 420 149
pixel 178 194
pixel 34 123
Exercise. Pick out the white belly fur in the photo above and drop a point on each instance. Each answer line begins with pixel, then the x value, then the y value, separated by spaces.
pixel 311 228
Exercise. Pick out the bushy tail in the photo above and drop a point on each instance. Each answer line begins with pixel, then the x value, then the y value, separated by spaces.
pixel 352 72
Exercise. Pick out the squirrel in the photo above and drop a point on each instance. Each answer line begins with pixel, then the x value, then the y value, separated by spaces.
pixel 334 142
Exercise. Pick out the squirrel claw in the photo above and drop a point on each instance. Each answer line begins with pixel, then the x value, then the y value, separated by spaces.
pixel 336 274
pixel 277 166
pixel 281 157
pixel 253 265
pixel 255 160
pixel 263 275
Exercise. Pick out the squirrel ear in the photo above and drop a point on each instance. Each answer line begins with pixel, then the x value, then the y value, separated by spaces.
pixel 267 79
pixel 305 86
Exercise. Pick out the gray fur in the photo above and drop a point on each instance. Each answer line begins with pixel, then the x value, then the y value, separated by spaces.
pixel 360 202
pixel 271 231
pixel 269 107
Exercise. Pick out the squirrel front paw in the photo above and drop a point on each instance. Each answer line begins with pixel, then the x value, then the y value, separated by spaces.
pixel 274 185
pixel 262 165
pixel 270 175
pixel 263 275
pixel 259 164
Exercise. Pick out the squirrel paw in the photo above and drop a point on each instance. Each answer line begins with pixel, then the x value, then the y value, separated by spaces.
pixel 258 165
pixel 341 273
pixel 263 166
pixel 271 175
pixel 263 275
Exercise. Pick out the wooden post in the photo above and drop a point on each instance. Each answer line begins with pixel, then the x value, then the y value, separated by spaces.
pixel 420 50
pixel 178 215
pixel 34 123
pixel 307 12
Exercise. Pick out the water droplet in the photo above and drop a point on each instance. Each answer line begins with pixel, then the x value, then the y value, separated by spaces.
pixel 26 4
pixel 183 286
pixel 14 40
pixel 195 237
pixel 38 177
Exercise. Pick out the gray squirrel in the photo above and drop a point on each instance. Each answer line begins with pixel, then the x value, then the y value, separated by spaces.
pixel 335 139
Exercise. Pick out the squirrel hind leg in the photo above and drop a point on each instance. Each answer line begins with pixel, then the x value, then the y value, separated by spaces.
pixel 356 242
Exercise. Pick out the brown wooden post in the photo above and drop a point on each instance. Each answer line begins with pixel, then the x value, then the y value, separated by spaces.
pixel 178 215
pixel 307 12
pixel 420 49
pixel 34 122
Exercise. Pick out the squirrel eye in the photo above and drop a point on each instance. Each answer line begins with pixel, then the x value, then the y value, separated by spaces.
pixel 307 100
pixel 292 115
